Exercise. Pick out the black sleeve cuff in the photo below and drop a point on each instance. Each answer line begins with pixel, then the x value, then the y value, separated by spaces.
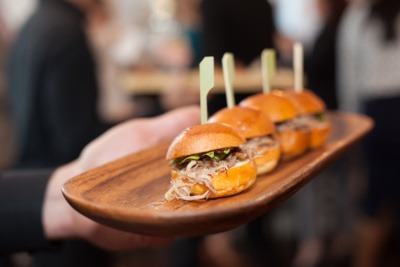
pixel 21 201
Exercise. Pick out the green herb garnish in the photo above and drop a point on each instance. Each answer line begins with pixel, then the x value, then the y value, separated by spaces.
pixel 208 154
pixel 211 154
pixel 195 157
pixel 320 116
pixel 174 161
pixel 222 156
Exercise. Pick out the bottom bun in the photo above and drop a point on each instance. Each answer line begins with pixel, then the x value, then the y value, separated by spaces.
pixel 294 143
pixel 319 134
pixel 228 183
pixel 268 161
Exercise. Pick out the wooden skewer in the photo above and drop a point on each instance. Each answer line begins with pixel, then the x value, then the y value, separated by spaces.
pixel 268 67
pixel 206 84
pixel 228 67
pixel 298 67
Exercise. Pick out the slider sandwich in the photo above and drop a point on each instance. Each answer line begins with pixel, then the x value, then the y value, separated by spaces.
pixel 312 114
pixel 294 138
pixel 207 162
pixel 259 131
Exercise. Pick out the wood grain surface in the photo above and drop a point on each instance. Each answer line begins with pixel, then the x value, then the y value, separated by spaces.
pixel 127 194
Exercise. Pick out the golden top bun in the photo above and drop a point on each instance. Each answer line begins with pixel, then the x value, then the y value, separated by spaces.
pixel 250 122
pixel 306 101
pixel 276 107
pixel 203 138
pixel 228 183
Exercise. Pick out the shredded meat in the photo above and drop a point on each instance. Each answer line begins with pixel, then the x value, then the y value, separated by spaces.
pixel 231 160
pixel 200 172
pixel 303 123
pixel 260 145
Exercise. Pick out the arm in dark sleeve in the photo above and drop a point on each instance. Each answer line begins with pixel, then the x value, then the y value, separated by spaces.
pixel 70 97
pixel 21 201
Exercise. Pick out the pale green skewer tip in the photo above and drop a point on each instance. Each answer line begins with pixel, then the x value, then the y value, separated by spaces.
pixel 206 84
pixel 228 68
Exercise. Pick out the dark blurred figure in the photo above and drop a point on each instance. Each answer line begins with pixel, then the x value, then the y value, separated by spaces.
pixel 6 134
pixel 324 219
pixel 243 28
pixel 320 66
pixel 52 85
pixel 369 52
pixel 53 91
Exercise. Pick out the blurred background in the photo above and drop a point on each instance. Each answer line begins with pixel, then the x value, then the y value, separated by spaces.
pixel 70 69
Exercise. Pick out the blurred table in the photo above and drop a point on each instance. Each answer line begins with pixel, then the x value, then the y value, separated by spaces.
pixel 156 81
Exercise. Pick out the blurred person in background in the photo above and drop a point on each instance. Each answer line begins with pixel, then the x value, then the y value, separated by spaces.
pixel 244 28
pixel 54 88
pixel 296 20
pixel 323 218
pixel 114 104
pixel 144 36
pixel 320 65
pixel 52 84
pixel 323 225
pixel 188 47
pixel 6 134
pixel 369 82
pixel 189 17
pixel 53 91
pixel 15 14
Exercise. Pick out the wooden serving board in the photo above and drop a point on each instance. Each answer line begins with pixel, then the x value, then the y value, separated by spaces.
pixel 127 194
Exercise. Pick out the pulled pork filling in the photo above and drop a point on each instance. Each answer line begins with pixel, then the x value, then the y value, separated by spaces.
pixel 302 123
pixel 260 144
pixel 200 171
